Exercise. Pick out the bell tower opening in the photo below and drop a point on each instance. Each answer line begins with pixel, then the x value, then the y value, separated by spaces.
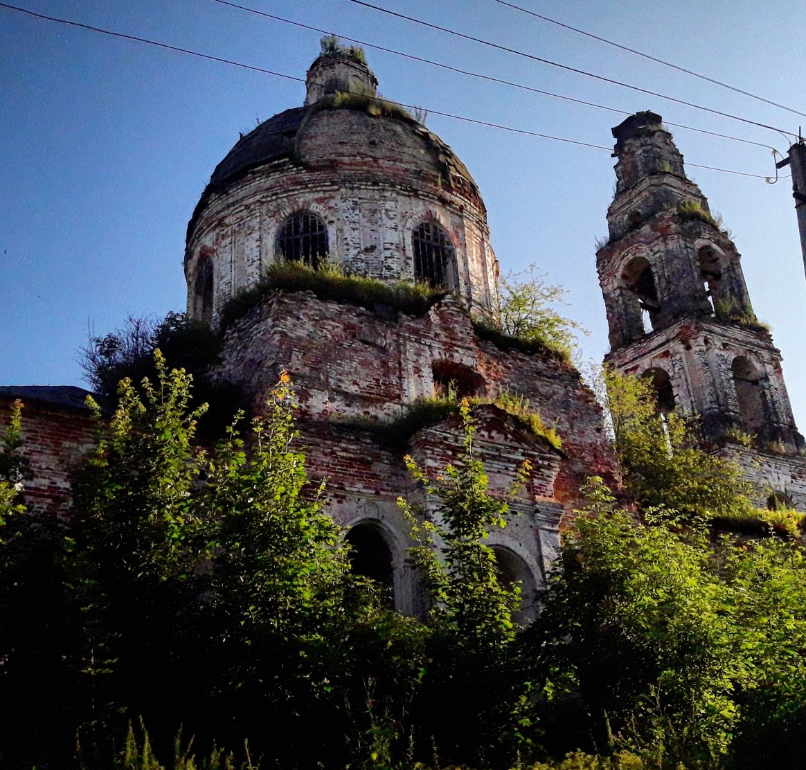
pixel 640 283
pixel 662 385
pixel 711 274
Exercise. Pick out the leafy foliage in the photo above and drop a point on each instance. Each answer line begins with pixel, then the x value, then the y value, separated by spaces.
pixel 526 310
pixel 186 344
pixel 12 467
pixel 430 411
pixel 663 457
pixel 675 642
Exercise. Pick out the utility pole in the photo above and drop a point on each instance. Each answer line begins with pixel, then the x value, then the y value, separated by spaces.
pixel 797 162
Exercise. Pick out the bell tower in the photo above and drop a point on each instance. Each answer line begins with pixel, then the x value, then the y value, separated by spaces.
pixel 677 304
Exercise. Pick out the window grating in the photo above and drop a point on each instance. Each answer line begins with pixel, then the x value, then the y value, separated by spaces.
pixel 433 254
pixel 303 237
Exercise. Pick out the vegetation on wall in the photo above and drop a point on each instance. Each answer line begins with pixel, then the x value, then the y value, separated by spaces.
pixel 329 281
pixel 128 353
pixel 527 318
pixel 425 412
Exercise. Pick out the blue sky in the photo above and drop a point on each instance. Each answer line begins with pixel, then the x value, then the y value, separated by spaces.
pixel 106 145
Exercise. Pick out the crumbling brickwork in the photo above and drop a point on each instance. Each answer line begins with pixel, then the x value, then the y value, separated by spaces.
pixel 369 173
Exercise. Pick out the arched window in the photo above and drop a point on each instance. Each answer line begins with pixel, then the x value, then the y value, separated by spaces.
pixel 203 291
pixel 711 274
pixel 640 282
pixel 513 570
pixel 434 255
pixel 747 380
pixel 463 380
pixel 664 393
pixel 370 555
pixel 303 238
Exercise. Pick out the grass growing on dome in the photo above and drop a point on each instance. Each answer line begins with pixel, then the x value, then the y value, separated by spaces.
pixel 329 281
pixel 432 410
pixel 373 104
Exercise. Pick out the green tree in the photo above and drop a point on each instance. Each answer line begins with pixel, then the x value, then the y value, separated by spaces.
pixel 472 688
pixel 663 456
pixel 133 558
pixel 527 309
pixel 280 588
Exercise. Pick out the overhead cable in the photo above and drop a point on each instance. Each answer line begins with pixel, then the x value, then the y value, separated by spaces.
pixel 566 67
pixel 478 75
pixel 649 57
pixel 273 73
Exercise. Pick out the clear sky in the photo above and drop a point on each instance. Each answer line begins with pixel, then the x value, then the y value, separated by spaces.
pixel 106 145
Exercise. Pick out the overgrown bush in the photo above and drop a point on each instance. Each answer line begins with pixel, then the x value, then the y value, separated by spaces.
pixel 186 344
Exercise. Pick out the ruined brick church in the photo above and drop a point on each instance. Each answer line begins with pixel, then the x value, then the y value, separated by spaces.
pixel 375 191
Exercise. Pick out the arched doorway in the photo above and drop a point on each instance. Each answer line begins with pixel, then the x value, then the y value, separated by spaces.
pixel 371 556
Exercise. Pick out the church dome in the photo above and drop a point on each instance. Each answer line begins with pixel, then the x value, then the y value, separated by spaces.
pixel 351 177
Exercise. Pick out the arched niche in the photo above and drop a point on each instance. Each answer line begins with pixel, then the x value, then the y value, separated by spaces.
pixel 371 554
pixel 747 379
pixel 203 290
pixel 662 385
pixel 642 296
pixel 450 376
pixel 513 570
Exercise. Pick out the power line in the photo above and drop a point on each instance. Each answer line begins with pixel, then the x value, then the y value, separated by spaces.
pixel 565 67
pixel 649 57
pixel 262 70
pixel 150 42
pixel 478 75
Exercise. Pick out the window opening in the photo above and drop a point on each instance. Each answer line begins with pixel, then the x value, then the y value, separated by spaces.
pixel 303 238
pixel 711 274
pixel 203 290
pixel 747 380
pixel 662 384
pixel 370 555
pixel 450 377
pixel 434 254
